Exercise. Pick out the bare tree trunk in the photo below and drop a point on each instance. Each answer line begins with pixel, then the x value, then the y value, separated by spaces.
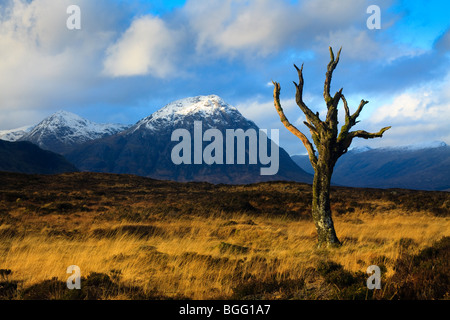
pixel 321 209
pixel 330 144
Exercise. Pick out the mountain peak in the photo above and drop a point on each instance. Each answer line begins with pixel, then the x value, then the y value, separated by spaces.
pixel 360 149
pixel 65 113
pixel 63 118
pixel 200 108
pixel 149 149
pixel 63 129
pixel 14 134
pixel 206 105
pixel 62 114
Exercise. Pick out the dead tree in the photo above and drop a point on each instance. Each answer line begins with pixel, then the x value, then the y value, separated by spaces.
pixel 330 145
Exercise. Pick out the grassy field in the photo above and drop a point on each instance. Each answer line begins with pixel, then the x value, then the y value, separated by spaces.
pixel 137 238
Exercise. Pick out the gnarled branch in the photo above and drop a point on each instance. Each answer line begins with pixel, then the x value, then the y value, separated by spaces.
pixel 345 141
pixel 368 135
pixel 332 102
pixel 350 120
pixel 329 144
pixel 311 128
pixel 308 145
pixel 358 111
pixel 332 114
pixel 311 117
pixel 330 68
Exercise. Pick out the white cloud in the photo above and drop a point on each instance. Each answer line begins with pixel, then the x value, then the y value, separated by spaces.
pixel 417 115
pixel 357 43
pixel 232 27
pixel 40 59
pixel 407 106
pixel 14 118
pixel 423 104
pixel 43 65
pixel 147 47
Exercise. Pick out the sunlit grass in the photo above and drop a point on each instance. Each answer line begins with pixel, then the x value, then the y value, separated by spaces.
pixel 159 239
pixel 186 258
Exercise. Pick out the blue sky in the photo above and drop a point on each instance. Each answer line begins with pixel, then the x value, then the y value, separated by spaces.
pixel 421 22
pixel 130 58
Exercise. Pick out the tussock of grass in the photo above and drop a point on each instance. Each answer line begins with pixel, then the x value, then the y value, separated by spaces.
pixel 137 238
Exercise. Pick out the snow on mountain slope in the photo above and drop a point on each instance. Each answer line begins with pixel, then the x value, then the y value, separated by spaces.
pixel 422 145
pixel 410 147
pixel 146 148
pixel 62 130
pixel 210 107
pixel 14 134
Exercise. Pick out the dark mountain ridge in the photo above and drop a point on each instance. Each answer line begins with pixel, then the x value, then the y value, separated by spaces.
pixel 421 168
pixel 25 157
pixel 145 149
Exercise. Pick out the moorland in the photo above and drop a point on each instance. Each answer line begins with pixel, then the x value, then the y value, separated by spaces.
pixel 139 238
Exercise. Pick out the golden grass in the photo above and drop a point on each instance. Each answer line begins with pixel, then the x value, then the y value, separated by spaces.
pixel 186 260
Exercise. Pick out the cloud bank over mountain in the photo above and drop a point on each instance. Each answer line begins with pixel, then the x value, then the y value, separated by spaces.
pixel 131 57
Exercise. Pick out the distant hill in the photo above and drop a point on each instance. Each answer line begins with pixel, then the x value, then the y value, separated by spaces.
pixel 14 134
pixel 63 130
pixel 412 167
pixel 25 157
pixel 145 148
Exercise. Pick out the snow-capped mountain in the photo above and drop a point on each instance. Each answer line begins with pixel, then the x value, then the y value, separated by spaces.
pixel 420 146
pixel 414 146
pixel 145 148
pixel 360 149
pixel 14 134
pixel 63 130
pixel 203 108
pixel 424 166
